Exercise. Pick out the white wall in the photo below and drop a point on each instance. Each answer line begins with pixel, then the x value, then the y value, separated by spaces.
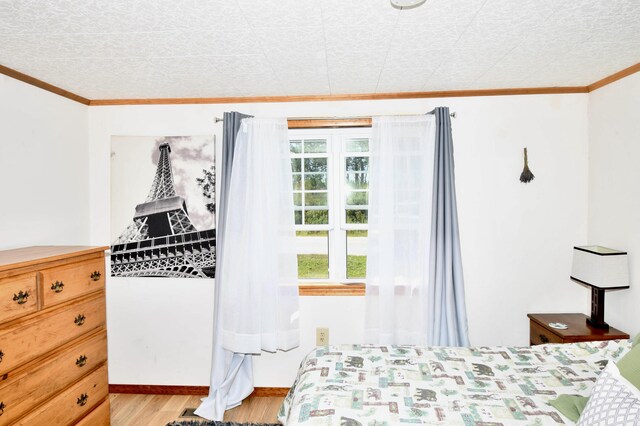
pixel 516 238
pixel 614 188
pixel 44 170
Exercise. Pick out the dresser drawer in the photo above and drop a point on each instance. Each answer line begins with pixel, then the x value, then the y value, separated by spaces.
pixel 18 296
pixel 24 340
pixel 98 417
pixel 72 404
pixel 70 281
pixel 539 335
pixel 38 381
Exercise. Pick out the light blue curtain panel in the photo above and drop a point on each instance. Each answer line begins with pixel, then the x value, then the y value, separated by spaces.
pixel 231 373
pixel 447 313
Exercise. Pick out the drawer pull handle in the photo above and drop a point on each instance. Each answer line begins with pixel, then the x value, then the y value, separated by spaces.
pixel 57 287
pixel 79 320
pixel 544 339
pixel 95 275
pixel 2 407
pixel 21 297
pixel 82 400
pixel 80 362
pixel 1 355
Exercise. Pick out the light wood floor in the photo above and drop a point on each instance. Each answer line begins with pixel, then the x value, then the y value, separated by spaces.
pixel 152 410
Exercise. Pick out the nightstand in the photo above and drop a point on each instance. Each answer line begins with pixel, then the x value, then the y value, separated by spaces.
pixel 579 331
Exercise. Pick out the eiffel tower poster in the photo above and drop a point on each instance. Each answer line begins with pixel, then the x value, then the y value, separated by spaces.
pixel 163 206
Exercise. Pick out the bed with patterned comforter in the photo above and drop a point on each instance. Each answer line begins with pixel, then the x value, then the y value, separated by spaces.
pixel 354 385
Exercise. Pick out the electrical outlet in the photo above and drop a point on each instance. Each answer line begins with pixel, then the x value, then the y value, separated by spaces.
pixel 322 336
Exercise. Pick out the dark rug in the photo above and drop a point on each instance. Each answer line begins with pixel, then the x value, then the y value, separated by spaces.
pixel 210 423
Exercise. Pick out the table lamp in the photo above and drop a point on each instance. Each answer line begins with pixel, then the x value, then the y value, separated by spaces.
pixel 601 269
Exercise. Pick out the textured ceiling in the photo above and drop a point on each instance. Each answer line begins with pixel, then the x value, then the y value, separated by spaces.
pixel 104 49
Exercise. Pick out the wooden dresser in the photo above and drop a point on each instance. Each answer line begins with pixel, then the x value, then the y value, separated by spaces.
pixel 53 339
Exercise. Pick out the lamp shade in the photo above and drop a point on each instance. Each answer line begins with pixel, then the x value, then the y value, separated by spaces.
pixel 600 267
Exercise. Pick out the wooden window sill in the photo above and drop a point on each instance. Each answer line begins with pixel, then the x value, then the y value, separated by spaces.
pixel 331 289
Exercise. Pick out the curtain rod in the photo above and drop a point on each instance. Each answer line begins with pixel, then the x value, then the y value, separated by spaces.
pixel 218 119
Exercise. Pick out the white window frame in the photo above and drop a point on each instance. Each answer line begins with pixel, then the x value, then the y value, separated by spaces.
pixel 337 190
pixel 329 156
pixel 344 189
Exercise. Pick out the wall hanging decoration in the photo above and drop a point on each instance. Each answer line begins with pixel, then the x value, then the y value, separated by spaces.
pixel 168 230
pixel 526 176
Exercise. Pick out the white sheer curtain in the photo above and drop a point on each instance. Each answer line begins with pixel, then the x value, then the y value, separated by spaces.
pixel 258 292
pixel 400 207
pixel 260 305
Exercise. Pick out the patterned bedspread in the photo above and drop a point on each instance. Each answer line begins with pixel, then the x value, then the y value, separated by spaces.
pixel 371 385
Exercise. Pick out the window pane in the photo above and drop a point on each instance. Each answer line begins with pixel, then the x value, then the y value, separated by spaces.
pixel 357 145
pixel 316 217
pixel 356 254
pixel 315 146
pixel 295 147
pixel 297 182
pixel 315 181
pixel 313 188
pixel 315 199
pixel 360 198
pixel 357 216
pixel 358 180
pixel 357 164
pixel 315 164
pixel 313 255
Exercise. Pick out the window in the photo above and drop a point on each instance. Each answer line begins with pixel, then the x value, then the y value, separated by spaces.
pixel 331 195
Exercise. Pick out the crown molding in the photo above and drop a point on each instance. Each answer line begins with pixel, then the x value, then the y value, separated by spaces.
pixel 348 97
pixel 42 85
pixel 614 77
pixel 318 98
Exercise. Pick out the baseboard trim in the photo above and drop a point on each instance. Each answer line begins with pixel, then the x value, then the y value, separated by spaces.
pixel 159 389
pixel 270 392
pixel 188 390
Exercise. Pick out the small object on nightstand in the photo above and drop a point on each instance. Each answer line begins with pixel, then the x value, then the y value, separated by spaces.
pixel 558 325
pixel 577 330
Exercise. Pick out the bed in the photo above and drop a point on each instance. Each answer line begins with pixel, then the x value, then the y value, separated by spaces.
pixel 352 385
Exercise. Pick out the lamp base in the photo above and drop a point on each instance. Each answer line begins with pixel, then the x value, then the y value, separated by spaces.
pixel 597 309
pixel 598 325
